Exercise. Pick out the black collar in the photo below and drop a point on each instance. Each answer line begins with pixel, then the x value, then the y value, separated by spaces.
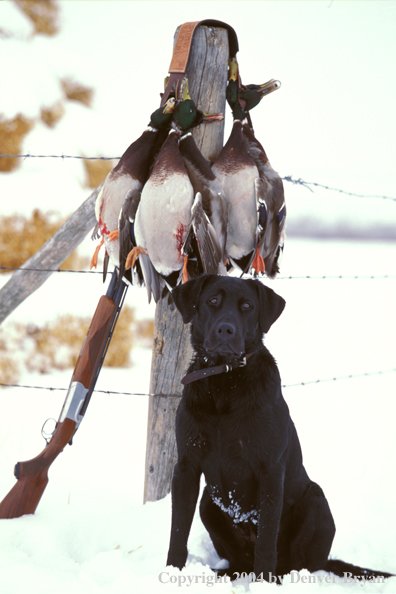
pixel 209 371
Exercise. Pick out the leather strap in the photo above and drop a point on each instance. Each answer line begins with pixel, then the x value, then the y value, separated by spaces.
pixel 181 51
pixel 209 371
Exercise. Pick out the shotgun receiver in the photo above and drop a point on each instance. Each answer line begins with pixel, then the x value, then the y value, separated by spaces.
pixel 32 475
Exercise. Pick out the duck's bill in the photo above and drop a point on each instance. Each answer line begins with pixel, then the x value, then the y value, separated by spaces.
pixel 169 105
pixel 212 117
pixel 269 87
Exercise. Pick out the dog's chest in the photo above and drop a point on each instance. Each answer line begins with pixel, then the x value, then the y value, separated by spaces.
pixel 240 508
pixel 229 462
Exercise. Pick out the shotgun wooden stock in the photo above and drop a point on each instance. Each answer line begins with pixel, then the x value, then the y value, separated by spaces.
pixel 32 476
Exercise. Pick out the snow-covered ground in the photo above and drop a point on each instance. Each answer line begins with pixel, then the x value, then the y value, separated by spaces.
pixel 91 534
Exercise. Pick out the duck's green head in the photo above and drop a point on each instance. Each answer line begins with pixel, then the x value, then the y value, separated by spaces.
pixel 232 90
pixel 233 82
pixel 251 95
pixel 162 117
pixel 187 116
pixel 185 113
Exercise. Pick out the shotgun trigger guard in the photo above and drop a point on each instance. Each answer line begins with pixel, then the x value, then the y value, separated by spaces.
pixel 73 403
pixel 48 434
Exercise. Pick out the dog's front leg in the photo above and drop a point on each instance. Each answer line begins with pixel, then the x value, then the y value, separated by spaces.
pixel 185 490
pixel 270 512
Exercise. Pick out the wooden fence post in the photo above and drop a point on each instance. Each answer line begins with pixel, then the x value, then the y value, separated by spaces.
pixel 207 78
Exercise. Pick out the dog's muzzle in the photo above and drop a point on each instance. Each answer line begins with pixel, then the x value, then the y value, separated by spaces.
pixel 225 340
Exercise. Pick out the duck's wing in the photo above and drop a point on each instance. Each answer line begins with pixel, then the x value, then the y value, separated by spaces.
pixel 205 182
pixel 143 272
pixel 271 223
pixel 95 233
pixel 105 265
pixel 209 249
pixel 126 236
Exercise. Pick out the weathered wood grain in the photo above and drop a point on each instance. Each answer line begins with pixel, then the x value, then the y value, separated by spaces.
pixel 207 75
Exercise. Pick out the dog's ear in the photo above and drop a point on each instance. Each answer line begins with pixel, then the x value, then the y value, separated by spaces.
pixel 186 296
pixel 271 306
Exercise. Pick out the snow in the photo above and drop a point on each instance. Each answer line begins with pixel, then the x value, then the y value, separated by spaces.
pixel 91 534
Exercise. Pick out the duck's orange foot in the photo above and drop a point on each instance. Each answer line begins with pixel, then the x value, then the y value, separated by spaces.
pixel 185 274
pixel 114 235
pixel 94 260
pixel 133 255
pixel 258 263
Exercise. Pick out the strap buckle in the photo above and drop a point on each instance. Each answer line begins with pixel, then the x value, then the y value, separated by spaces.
pixel 240 363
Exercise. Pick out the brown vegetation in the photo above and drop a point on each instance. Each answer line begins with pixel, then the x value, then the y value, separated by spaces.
pixel 56 345
pixel 43 14
pixel 21 237
pixel 9 370
pixel 96 171
pixel 76 91
pixel 50 116
pixel 12 134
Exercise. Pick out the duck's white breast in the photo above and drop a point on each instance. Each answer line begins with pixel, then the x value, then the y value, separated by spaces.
pixel 108 207
pixel 114 192
pixel 240 197
pixel 162 220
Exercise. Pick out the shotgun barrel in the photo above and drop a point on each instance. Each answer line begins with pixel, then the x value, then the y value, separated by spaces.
pixel 32 475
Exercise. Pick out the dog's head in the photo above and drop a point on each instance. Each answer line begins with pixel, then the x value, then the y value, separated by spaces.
pixel 229 315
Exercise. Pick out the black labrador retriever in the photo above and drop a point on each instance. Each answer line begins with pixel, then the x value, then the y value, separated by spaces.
pixel 261 509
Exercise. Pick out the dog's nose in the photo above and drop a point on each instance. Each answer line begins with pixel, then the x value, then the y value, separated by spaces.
pixel 225 329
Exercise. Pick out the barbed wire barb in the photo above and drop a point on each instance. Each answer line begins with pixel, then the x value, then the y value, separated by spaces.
pixel 306 184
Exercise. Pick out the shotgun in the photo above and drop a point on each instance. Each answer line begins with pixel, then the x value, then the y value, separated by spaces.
pixel 32 475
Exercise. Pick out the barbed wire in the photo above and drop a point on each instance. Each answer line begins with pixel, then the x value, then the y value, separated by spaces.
pixel 295 385
pixel 50 270
pixel 340 378
pixel 28 155
pixel 306 277
pixel 338 277
pixel 306 184
pixel 288 178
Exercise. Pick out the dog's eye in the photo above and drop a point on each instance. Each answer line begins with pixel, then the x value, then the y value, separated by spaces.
pixel 213 300
pixel 246 305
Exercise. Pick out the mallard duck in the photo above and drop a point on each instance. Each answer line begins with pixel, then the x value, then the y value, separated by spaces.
pixel 242 99
pixel 209 220
pixel 271 209
pixel 124 183
pixel 236 171
pixel 213 203
pixel 171 215
pixel 164 214
pixel 239 168
pixel 144 272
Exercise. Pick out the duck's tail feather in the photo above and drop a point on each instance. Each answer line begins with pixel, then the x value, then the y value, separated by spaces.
pixel 153 281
